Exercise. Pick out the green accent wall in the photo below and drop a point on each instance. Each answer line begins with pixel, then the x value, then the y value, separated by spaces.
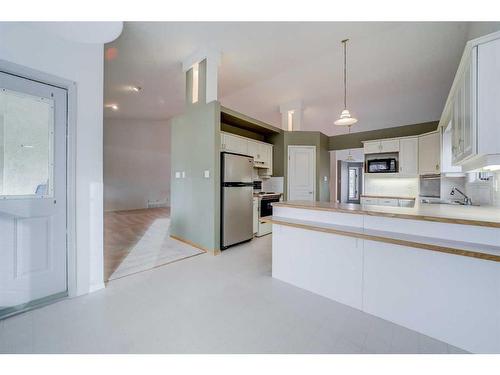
pixel 303 138
pixel 354 140
pixel 195 200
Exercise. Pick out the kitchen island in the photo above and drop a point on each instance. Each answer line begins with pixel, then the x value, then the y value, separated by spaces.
pixel 432 268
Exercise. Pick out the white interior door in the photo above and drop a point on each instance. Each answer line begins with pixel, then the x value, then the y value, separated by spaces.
pixel 302 173
pixel 32 193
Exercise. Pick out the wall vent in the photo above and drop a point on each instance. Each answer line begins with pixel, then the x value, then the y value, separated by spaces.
pixel 156 204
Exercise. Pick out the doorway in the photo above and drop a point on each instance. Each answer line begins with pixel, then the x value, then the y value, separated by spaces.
pixel 349 181
pixel 33 193
pixel 301 173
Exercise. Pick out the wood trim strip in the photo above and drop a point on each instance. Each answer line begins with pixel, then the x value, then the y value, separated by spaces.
pixel 213 252
pixel 394 241
pixel 360 211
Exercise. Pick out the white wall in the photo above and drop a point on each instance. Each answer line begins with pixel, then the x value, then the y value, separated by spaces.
pixel 28 45
pixel 136 163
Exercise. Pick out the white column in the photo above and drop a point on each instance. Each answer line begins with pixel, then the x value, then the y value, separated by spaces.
pixel 291 115
pixel 209 80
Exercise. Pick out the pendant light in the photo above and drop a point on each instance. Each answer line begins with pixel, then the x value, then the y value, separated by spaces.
pixel 345 117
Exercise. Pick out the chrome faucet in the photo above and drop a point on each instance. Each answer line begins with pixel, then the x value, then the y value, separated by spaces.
pixel 467 201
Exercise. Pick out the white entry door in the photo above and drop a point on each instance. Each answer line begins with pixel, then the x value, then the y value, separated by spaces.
pixel 302 173
pixel 32 193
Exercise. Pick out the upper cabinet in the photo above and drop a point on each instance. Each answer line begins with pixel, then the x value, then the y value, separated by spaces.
pixel 472 106
pixel 429 153
pixel 408 156
pixel 464 125
pixel 233 143
pixel 262 152
pixel 381 146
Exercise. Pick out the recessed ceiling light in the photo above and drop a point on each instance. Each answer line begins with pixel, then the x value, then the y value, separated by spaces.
pixel 135 88
pixel 114 107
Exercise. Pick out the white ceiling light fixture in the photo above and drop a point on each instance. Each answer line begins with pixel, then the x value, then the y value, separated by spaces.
pixel 345 117
pixel 135 88
pixel 114 107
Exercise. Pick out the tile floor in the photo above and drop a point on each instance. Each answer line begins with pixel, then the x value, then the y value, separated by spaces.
pixel 207 304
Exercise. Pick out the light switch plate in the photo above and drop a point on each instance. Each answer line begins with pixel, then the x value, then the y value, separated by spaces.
pixel 325 178
pixel 183 174
pixel 177 174
pixel 206 174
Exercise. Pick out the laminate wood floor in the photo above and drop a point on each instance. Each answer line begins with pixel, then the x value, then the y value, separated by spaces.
pixel 138 240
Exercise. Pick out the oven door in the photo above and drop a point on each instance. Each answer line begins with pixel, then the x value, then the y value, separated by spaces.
pixel 266 208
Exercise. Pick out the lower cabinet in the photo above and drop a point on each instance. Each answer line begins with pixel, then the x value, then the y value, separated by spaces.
pixel 393 202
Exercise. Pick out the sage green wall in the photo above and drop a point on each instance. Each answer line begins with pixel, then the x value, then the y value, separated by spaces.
pixel 354 140
pixel 304 138
pixel 195 200
pixel 324 168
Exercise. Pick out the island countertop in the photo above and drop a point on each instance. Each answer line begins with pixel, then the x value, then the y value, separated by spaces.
pixel 486 216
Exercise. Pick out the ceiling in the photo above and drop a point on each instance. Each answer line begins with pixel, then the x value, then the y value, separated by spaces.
pixel 398 73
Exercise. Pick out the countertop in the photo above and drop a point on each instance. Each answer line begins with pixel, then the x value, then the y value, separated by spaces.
pixel 487 216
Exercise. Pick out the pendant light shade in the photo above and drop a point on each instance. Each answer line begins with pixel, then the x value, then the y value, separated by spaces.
pixel 345 117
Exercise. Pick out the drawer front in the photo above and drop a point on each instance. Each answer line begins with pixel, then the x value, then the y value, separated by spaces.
pixel 373 201
pixel 388 202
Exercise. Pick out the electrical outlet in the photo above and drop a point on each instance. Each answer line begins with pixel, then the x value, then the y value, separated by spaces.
pixel 206 174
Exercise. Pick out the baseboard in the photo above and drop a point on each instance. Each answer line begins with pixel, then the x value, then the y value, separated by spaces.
pixel 96 287
pixel 209 251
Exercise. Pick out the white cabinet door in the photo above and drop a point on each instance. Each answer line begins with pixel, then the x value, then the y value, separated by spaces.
pixel 266 154
pixel 391 145
pixel 383 146
pixel 270 159
pixel 253 149
pixel 408 156
pixel 488 97
pixel 469 109
pixel 464 125
pixel 429 153
pixel 372 147
pixel 235 144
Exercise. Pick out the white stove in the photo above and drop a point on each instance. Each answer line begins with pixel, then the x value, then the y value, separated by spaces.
pixel 265 208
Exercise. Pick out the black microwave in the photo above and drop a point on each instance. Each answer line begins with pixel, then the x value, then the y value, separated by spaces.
pixel 389 165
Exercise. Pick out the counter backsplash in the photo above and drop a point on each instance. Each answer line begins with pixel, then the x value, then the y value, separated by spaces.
pixel 391 186
pixel 274 184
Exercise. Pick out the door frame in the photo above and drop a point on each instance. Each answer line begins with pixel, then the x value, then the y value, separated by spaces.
pixel 291 147
pixel 71 89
